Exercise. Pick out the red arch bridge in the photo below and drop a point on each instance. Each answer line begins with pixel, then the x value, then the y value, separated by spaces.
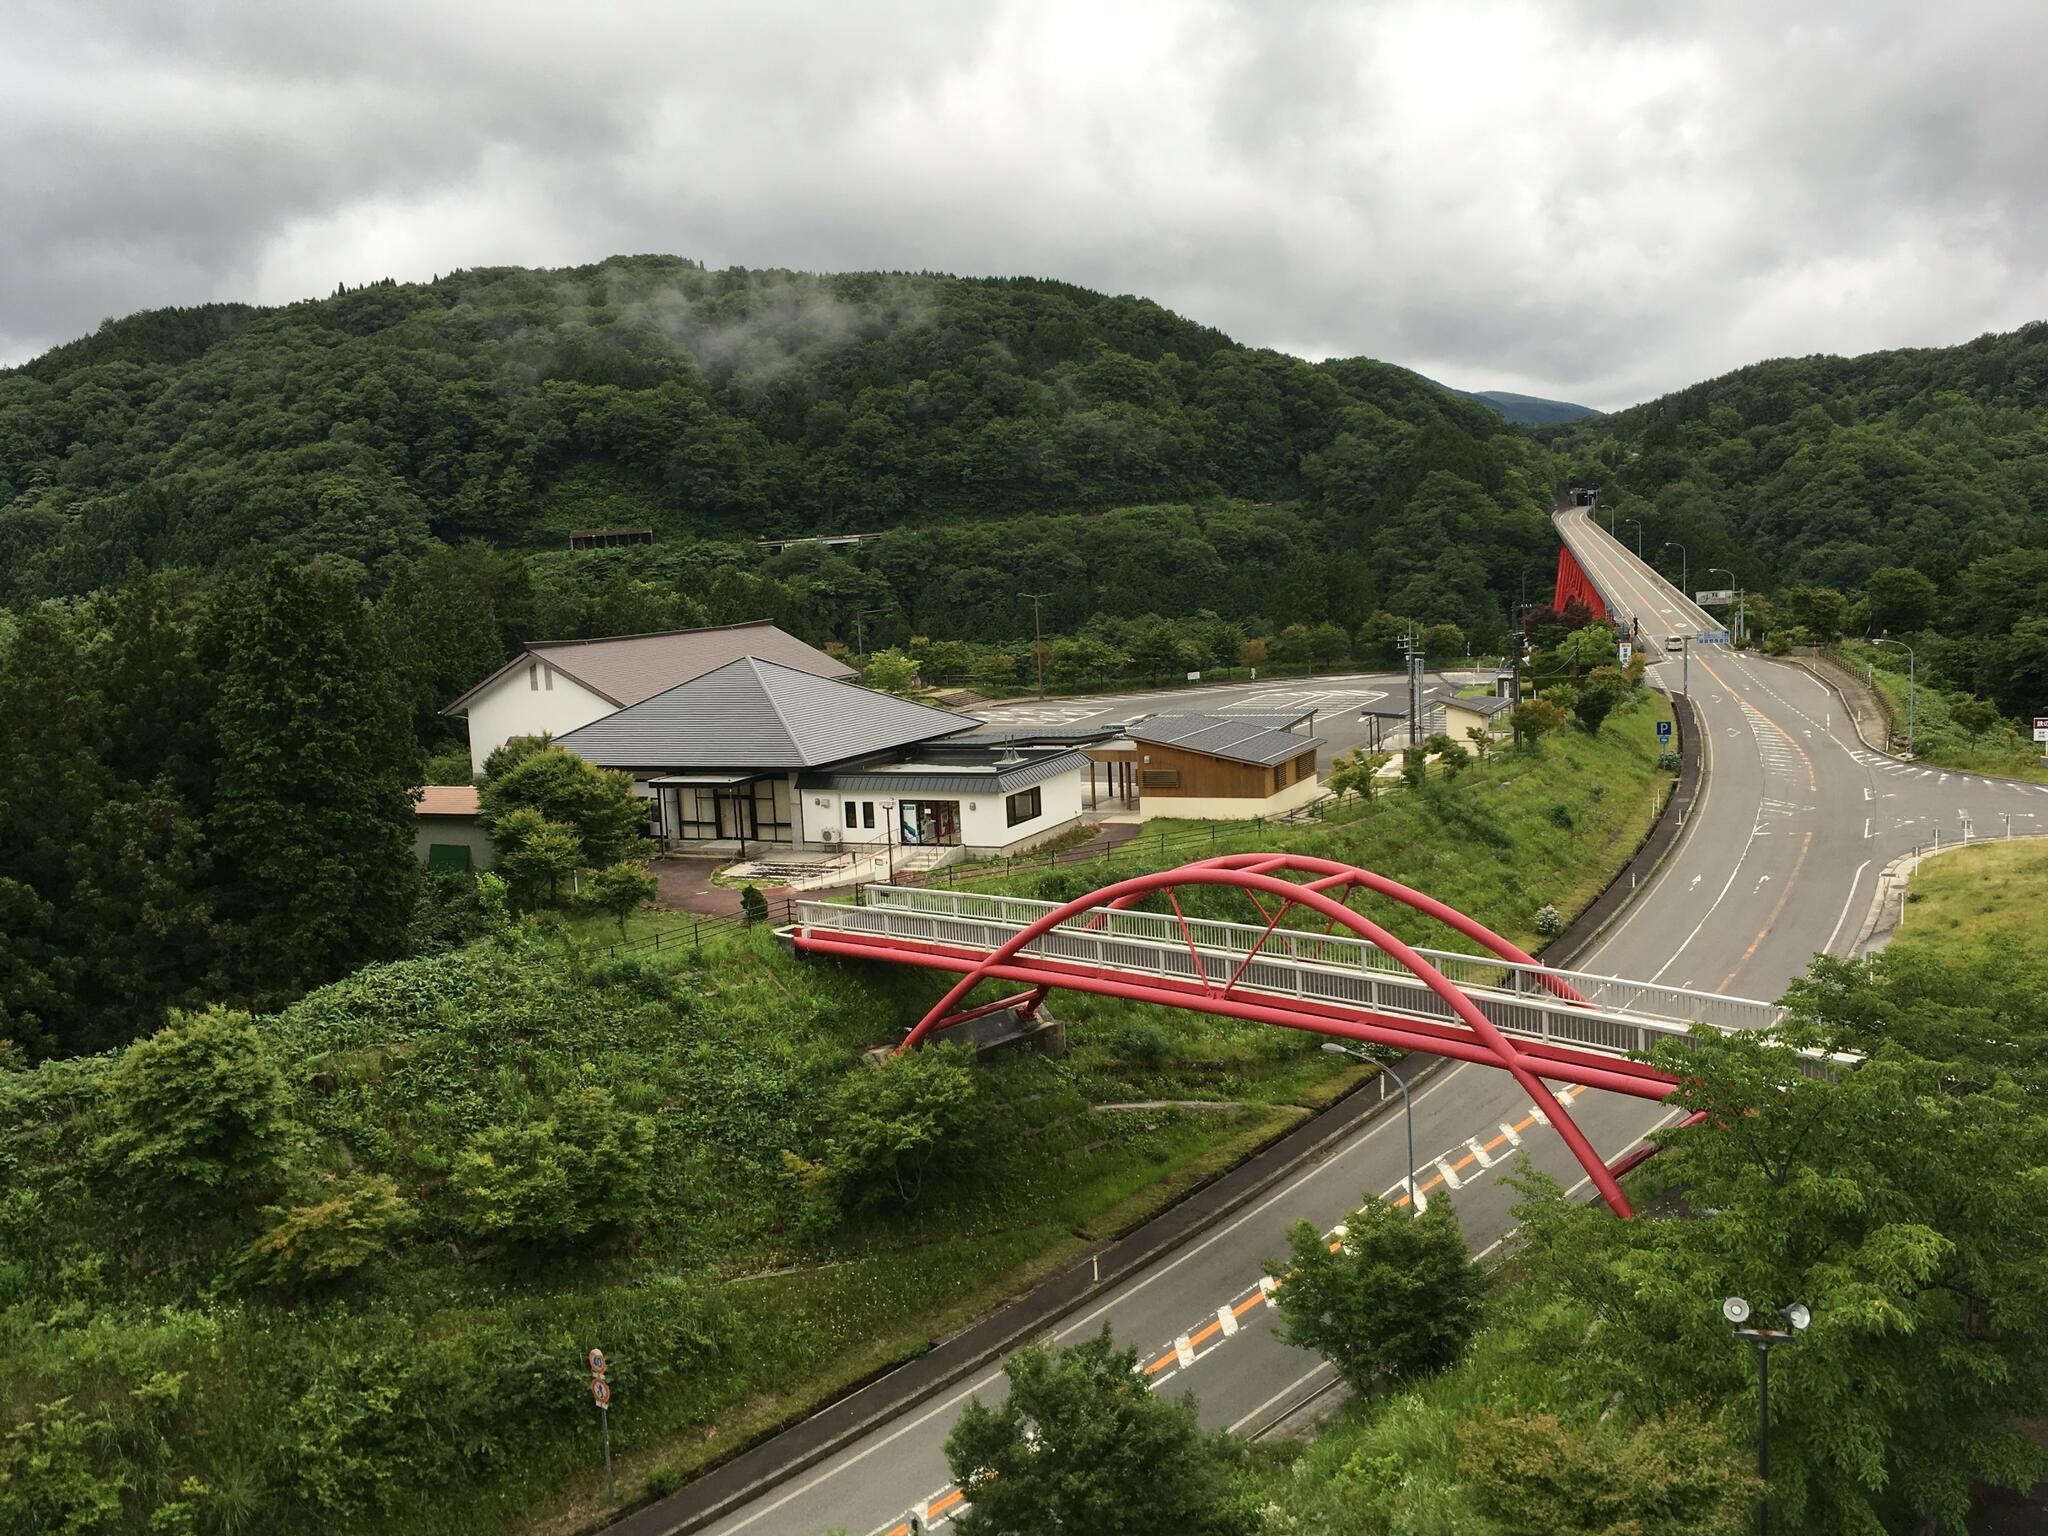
pixel 1352 980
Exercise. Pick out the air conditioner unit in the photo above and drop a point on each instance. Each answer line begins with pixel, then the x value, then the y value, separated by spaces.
pixel 828 835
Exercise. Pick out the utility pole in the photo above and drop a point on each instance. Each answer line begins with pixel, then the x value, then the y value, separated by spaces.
pixel 1037 639
pixel 1740 594
pixel 1415 669
pixel 859 633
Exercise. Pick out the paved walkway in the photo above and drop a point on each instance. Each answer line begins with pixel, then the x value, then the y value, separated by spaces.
pixel 685 885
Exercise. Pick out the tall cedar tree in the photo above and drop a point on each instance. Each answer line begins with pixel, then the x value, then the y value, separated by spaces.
pixel 312 811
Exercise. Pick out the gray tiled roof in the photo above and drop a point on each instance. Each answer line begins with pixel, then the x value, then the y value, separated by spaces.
pixel 1036 769
pixel 754 713
pixel 1484 704
pixel 1223 736
pixel 628 668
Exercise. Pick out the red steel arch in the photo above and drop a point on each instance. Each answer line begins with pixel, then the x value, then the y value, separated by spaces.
pixel 1473 1038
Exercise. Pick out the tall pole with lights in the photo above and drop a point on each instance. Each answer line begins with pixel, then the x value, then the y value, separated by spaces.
pixel 1407 1104
pixel 1740 595
pixel 1684 566
pixel 1798 1316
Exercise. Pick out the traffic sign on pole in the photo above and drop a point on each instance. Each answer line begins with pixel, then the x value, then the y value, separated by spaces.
pixel 2041 728
pixel 1663 733
pixel 600 1392
pixel 597 1362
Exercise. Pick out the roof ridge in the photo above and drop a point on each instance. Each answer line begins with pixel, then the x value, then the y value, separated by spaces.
pixel 649 634
pixel 768 693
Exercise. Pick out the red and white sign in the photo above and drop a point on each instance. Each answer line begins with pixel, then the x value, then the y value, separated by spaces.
pixel 597 1362
pixel 2041 727
pixel 600 1392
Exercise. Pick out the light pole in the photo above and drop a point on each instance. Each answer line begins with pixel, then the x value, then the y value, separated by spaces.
pixel 1639 534
pixel 1912 685
pixel 860 647
pixel 1740 596
pixel 1736 1310
pixel 1407 1106
pixel 1037 642
pixel 1684 566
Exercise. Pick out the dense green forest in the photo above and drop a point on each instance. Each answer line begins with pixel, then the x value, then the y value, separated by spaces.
pixel 1900 493
pixel 990 428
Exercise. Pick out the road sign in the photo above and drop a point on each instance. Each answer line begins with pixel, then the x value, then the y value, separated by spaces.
pixel 1626 651
pixel 1663 733
pixel 597 1362
pixel 1719 597
pixel 2041 728
pixel 1712 637
pixel 600 1392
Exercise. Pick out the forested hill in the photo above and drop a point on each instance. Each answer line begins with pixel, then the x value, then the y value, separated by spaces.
pixel 512 406
pixel 1904 492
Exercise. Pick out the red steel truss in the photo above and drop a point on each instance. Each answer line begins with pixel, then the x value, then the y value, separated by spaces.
pixel 1322 893
pixel 1574 585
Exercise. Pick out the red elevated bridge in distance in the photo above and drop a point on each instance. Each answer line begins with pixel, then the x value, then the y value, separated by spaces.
pixel 1348 978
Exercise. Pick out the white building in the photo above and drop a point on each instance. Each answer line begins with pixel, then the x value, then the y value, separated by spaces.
pixel 553 687
pixel 756 752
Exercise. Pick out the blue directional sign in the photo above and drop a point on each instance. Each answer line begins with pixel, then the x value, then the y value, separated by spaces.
pixel 1712 637
pixel 1663 733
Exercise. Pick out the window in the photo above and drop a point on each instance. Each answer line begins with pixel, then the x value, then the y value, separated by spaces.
pixel 1279 775
pixel 850 813
pixel 867 814
pixel 548 673
pixel 1305 766
pixel 1023 806
pixel 533 676
pixel 1160 778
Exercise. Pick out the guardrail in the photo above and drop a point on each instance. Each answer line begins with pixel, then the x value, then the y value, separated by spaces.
pixel 1335 968
pixel 1618 994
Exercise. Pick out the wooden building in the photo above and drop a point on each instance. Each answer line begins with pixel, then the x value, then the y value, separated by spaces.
pixel 1221 766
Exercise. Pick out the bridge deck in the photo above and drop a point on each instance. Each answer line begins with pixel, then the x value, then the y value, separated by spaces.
pixel 1621 1017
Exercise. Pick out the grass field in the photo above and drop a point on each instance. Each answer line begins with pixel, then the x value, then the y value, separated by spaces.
pixel 1983 892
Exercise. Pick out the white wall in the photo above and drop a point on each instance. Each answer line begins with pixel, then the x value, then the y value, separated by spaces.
pixel 512 706
pixel 1294 795
pixel 985 821
pixel 984 818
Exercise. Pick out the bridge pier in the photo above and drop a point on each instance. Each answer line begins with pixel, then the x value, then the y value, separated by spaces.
pixel 1001 1031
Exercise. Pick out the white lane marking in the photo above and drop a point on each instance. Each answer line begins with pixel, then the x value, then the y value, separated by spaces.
pixel 1866 828
pixel 1185 1350
pixel 1451 1179
pixel 1866 792
pixel 1536 1114
pixel 1268 1285
pixel 1479 1153
pixel 1293 1386
pixel 1829 947
pixel 1514 1136
pixel 1227 1321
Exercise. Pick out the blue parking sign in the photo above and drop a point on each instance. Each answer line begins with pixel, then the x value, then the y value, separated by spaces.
pixel 1663 733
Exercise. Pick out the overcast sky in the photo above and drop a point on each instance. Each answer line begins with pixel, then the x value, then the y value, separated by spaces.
pixel 1597 200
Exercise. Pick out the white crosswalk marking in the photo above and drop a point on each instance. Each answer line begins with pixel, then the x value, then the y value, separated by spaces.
pixel 1514 1136
pixel 1450 1176
pixel 1227 1321
pixel 1185 1350
pixel 1479 1154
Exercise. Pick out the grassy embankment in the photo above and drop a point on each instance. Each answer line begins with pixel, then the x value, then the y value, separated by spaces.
pixel 1939 737
pixel 727 1301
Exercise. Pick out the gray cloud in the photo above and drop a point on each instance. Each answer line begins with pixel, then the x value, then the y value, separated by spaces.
pixel 1595 199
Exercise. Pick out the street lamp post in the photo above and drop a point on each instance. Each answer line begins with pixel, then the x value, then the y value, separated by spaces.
pixel 1736 1310
pixel 1639 534
pixel 1740 596
pixel 1912 683
pixel 1684 565
pixel 1407 1106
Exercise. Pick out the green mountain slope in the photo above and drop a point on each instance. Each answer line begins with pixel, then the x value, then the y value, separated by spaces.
pixel 512 406
pixel 1525 410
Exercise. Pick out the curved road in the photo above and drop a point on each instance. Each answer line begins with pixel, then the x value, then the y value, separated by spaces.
pixel 1779 860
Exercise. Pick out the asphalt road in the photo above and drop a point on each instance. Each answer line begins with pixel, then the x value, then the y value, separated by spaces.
pixel 1780 860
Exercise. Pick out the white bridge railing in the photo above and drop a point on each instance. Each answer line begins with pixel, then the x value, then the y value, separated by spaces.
pixel 1625 1017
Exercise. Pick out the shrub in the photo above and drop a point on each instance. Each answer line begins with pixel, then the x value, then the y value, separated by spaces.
pixel 307 1244
pixel 1549 921
pixel 195 1105
pixel 1061 885
pixel 1397 1297
pixel 547 1182
pixel 753 905
pixel 620 890
pixel 1669 760
pixel 889 1124
pixel 1560 815
pixel 1602 693
pixel 446 914
pixel 1140 1041
pixel 1535 719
